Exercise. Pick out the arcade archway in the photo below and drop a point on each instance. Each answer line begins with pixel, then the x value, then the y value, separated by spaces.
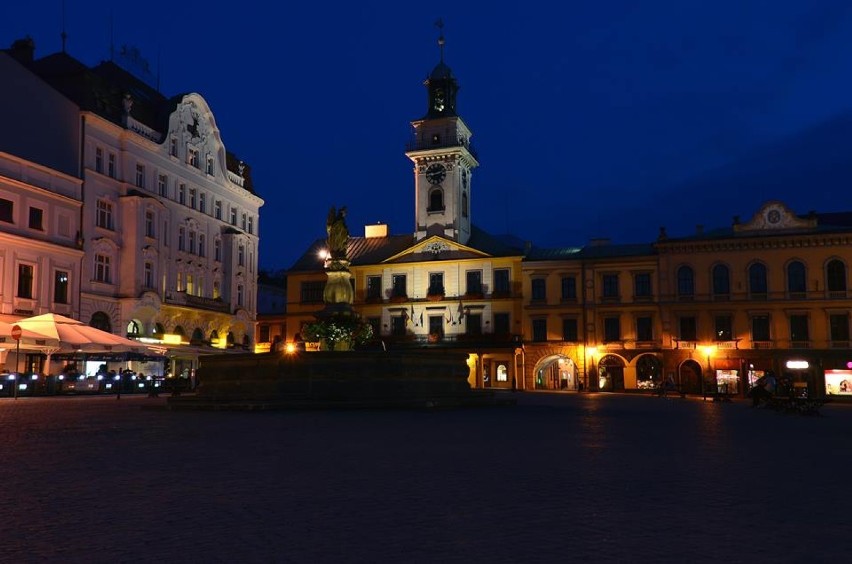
pixel 611 374
pixel 557 372
pixel 689 375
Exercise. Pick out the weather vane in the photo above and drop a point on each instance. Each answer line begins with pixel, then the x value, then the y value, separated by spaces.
pixel 440 25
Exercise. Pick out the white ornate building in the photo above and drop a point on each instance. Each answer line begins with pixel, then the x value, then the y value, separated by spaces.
pixel 170 221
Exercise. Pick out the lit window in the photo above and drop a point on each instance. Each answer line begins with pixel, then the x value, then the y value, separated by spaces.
pixel 25 281
pixel 149 275
pixel 7 209
pixel 60 287
pixel 102 269
pixel 104 215
pixel 149 224
pixel 36 219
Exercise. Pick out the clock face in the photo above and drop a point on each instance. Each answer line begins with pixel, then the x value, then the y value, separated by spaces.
pixel 774 216
pixel 436 173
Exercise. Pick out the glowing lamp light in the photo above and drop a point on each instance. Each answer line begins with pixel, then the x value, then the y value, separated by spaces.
pixel 323 254
pixel 849 364
pixel 290 348
pixel 171 339
pixel 797 364
pixel 593 351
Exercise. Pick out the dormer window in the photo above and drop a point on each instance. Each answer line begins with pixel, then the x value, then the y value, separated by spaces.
pixel 210 166
pixel 173 147
pixel 192 157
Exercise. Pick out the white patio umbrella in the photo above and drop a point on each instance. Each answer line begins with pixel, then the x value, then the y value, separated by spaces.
pixel 76 335
pixel 29 341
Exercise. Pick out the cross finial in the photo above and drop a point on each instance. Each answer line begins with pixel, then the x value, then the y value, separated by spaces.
pixel 440 25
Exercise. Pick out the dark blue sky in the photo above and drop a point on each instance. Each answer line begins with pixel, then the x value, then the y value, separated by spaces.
pixel 593 119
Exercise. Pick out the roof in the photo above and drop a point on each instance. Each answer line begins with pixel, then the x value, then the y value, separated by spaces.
pixel 363 251
pixel 101 90
pixel 590 252
pixel 833 222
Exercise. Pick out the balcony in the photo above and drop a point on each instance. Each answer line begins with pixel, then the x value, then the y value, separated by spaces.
pixel 426 144
pixel 184 299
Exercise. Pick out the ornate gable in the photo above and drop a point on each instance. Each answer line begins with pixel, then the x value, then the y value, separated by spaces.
pixel 774 215
pixel 193 127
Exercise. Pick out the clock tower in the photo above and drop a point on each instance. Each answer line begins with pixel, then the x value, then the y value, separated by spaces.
pixel 443 161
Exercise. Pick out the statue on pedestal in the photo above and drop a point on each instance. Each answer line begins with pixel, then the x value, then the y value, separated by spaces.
pixel 338 233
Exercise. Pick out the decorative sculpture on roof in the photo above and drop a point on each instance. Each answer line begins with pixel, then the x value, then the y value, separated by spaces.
pixel 338 233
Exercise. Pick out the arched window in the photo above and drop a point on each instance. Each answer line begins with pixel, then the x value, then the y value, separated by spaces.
pixel 796 278
pixel 648 371
pixel 835 274
pixel 464 204
pixel 721 280
pixel 436 200
pixel 100 320
pixel 214 337
pixel 757 279
pixel 197 337
pixel 133 330
pixel 179 331
pixel 685 282
pixel 230 339
pixel 246 341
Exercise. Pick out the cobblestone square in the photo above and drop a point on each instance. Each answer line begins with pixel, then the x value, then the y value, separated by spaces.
pixel 557 478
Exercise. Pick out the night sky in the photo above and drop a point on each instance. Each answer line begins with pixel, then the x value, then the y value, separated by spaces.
pixel 591 119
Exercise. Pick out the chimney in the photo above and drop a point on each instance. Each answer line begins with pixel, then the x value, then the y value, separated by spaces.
pixel 378 230
pixel 23 50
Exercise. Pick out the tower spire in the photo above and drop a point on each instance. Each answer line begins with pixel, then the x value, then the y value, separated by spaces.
pixel 440 25
pixel 63 34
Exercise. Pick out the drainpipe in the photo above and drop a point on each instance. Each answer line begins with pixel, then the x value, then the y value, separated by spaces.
pixel 80 240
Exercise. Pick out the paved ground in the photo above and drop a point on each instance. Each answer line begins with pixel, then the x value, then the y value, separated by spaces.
pixel 557 478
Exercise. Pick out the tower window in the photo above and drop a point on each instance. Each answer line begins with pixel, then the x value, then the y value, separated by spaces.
pixel 464 204
pixel 436 201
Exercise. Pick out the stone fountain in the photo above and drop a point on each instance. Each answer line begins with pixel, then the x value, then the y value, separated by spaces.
pixel 338 375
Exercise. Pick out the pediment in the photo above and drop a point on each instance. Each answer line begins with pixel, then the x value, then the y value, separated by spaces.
pixel 436 248
pixel 775 215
